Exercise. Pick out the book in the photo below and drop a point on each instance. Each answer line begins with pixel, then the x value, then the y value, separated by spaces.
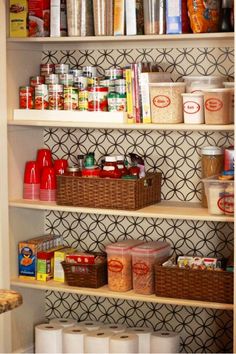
pixel 130 17
pixel 129 96
pixel 119 17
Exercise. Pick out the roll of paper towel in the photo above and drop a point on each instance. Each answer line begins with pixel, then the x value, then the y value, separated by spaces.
pixel 64 322
pixel 97 341
pixel 124 343
pixel 73 340
pixel 114 328
pixel 48 338
pixel 90 325
pixel 144 338
pixel 165 342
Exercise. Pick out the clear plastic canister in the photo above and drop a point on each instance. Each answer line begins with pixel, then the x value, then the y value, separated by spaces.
pixel 212 163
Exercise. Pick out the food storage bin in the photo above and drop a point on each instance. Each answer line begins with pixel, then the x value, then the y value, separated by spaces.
pixel 220 195
pixel 119 264
pixel 144 257
pixel 166 102
pixel 218 105
pixel 196 84
pixel 193 107
pixel 228 84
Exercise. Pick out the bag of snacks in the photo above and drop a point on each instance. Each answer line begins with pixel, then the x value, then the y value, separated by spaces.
pixel 204 15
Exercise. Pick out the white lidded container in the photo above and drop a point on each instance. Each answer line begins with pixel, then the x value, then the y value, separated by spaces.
pixel 228 84
pixel 219 105
pixel 195 84
pixel 193 107
pixel 166 102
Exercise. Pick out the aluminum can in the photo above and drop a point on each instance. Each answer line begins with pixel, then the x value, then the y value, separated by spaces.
pixel 41 97
pixel 55 97
pixel 71 100
pixel 83 100
pixel 36 80
pixel 51 79
pixel 26 97
pixel 66 79
pixel 62 68
pixel 46 69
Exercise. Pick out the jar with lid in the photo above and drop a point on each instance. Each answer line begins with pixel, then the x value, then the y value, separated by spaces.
pixel 73 171
pixel 110 168
pixel 212 163
pixel 120 161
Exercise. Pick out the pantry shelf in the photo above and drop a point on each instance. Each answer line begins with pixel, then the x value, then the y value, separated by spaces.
pixel 105 292
pixel 163 210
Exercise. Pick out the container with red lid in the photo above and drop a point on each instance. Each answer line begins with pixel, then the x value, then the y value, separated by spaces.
pixel 144 257
pixel 97 98
pixel 120 264
pixel 110 168
pixel 91 172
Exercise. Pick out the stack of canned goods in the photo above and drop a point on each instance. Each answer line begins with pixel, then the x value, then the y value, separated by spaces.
pixel 59 88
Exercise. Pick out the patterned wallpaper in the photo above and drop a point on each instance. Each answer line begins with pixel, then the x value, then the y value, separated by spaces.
pixel 177 155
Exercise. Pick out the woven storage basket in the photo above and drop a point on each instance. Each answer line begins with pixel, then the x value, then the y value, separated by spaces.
pixel 202 285
pixel 108 192
pixel 85 276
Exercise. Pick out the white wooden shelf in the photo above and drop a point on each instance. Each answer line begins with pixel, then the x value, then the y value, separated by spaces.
pixel 105 292
pixel 163 210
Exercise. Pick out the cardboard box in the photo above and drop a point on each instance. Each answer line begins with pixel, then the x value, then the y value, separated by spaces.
pixel 173 16
pixel 55 18
pixel 45 263
pixel 60 256
pixel 119 18
pixel 18 18
pixel 39 18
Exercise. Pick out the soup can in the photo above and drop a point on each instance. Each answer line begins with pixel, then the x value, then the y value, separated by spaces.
pixel 62 68
pixel 26 97
pixel 41 97
pixel 70 98
pixel 81 82
pixel 55 97
pixel 36 80
pixel 66 79
pixel 46 69
pixel 83 100
pixel 51 79
pixel 76 72
pixel 97 98
pixel 89 71
pixel 114 73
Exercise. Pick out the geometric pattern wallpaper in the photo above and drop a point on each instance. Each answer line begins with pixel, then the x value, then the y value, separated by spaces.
pixel 177 155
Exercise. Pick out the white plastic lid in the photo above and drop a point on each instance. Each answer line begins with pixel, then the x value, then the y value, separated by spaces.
pixel 212 150
pixel 228 84
pixel 120 158
pixel 168 84
pixel 123 245
pixel 110 158
pixel 193 94
pixel 204 77
pixel 217 90
pixel 151 247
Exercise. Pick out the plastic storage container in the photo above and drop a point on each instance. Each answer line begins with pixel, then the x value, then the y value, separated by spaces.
pixel 119 264
pixel 193 107
pixel 218 105
pixel 220 195
pixel 144 257
pixel 196 84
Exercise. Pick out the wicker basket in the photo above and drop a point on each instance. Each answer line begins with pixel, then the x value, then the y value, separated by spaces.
pixel 192 284
pixel 85 276
pixel 108 192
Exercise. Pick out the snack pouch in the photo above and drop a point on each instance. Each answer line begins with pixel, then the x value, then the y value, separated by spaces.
pixel 204 15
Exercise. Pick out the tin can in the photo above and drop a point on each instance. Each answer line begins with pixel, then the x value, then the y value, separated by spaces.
pixel 26 97
pixel 93 81
pixel 114 73
pixel 83 100
pixel 120 86
pixel 36 80
pixel 81 82
pixel 51 79
pixel 62 68
pixel 55 97
pixel 76 72
pixel 97 98
pixel 66 79
pixel 89 71
pixel 41 97
pixel 46 69
pixel 70 98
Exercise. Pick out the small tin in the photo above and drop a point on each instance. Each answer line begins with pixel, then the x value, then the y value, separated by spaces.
pixel 55 97
pixel 62 68
pixel 120 86
pixel 41 97
pixel 93 81
pixel 114 73
pixel 46 69
pixel 83 100
pixel 26 97
pixel 66 79
pixel 81 82
pixel 51 79
pixel 70 98
pixel 97 98
pixel 36 80
pixel 89 71
pixel 76 72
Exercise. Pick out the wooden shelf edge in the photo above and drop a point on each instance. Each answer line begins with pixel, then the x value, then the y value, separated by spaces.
pixel 163 210
pixel 105 292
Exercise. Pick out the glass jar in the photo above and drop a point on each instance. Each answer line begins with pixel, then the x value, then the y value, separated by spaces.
pixel 120 161
pixel 110 168
pixel 73 171
pixel 212 163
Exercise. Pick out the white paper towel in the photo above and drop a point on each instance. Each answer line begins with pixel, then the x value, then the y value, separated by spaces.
pixel 48 338
pixel 124 343
pixel 144 338
pixel 115 328
pixel 73 340
pixel 165 342
pixel 97 341
pixel 64 322
pixel 90 325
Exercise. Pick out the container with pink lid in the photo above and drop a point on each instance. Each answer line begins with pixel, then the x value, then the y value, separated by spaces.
pixel 120 264
pixel 144 257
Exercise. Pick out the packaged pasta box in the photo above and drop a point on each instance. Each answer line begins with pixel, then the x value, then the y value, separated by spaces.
pixel 18 18
pixel 39 18
pixel 45 263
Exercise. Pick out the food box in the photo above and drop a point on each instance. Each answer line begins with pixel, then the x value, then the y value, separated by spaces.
pixel 39 18
pixel 45 264
pixel 144 257
pixel 173 17
pixel 18 18
pixel 60 256
pixel 80 257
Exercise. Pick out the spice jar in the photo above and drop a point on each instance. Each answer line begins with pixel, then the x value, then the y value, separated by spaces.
pixel 73 171
pixel 212 162
pixel 110 168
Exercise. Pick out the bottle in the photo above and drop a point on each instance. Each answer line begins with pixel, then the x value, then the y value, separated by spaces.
pixel 110 168
pixel 225 22
pixel 120 160
pixel 80 159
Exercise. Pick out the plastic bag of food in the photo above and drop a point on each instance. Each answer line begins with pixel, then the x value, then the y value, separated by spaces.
pixel 204 15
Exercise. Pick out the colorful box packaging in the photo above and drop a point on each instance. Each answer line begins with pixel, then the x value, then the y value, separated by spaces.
pixel 39 18
pixel 45 263
pixel 80 258
pixel 18 18
pixel 173 16
pixel 60 256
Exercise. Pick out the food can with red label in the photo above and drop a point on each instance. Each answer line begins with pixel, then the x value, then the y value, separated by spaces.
pixel 81 82
pixel 89 71
pixel 26 97
pixel 36 80
pixel 71 101
pixel 41 97
pixel 62 68
pixel 66 79
pixel 83 100
pixel 51 79
pixel 46 69
pixel 97 98
pixel 55 97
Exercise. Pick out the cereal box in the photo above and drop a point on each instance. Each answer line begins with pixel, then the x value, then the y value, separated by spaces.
pixel 39 18
pixel 18 18
pixel 45 263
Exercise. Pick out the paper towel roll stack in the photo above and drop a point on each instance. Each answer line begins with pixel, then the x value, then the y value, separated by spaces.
pixel 114 328
pixel 73 339
pixel 64 322
pixel 124 343
pixel 90 325
pixel 97 341
pixel 144 338
pixel 164 342
pixel 48 338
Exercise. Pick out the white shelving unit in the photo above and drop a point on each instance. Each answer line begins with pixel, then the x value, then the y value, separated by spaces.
pixel 26 136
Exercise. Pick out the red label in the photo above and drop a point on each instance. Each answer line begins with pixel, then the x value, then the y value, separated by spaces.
pixel 140 268
pixel 213 104
pixel 191 107
pixel 161 101
pixel 226 204
pixel 115 266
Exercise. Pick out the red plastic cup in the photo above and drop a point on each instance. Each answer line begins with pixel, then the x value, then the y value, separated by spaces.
pixel 48 178
pixel 60 166
pixel 44 158
pixel 32 173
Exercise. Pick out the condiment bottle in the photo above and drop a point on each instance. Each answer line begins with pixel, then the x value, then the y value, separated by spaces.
pixel 120 160
pixel 73 171
pixel 212 163
pixel 80 159
pixel 110 169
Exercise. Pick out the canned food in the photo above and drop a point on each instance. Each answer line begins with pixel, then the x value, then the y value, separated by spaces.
pixel 81 82
pixel 76 72
pixel 97 98
pixel 89 71
pixel 36 80
pixel 62 68
pixel 55 97
pixel 114 73
pixel 26 97
pixel 70 98
pixel 41 97
pixel 51 79
pixel 83 100
pixel 120 86
pixel 66 79
pixel 46 69
pixel 93 81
